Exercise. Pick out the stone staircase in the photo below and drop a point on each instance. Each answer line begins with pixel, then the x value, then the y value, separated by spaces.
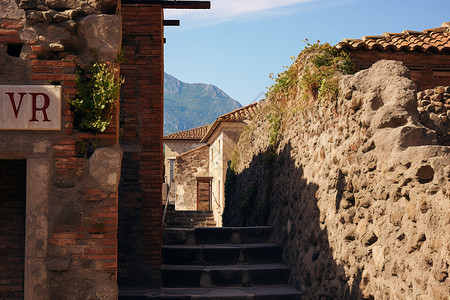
pixel 188 218
pixel 220 263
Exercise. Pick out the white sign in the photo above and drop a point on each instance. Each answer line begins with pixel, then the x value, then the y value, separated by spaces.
pixel 30 107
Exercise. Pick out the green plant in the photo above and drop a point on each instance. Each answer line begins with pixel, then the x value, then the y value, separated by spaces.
pixel 275 117
pixel 283 81
pixel 318 79
pixel 97 92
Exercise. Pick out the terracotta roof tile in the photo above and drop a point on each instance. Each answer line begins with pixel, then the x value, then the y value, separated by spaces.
pixel 433 39
pixel 191 134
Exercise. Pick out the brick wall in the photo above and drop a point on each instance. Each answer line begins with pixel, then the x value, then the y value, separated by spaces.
pixel 141 139
pixel 428 69
pixel 93 240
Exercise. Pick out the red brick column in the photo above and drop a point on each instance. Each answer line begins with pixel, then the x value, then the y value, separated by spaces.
pixel 141 138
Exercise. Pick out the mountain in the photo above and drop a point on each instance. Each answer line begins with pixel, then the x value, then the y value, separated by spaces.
pixel 189 105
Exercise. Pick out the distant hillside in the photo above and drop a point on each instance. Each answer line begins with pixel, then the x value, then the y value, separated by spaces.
pixel 189 105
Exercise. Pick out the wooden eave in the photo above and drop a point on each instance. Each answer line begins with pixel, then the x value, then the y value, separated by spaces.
pixel 174 4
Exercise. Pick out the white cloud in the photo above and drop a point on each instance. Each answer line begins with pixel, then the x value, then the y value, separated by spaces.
pixel 227 10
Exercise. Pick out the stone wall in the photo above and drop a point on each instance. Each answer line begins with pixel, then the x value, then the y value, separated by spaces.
pixel 434 111
pixel 71 205
pixel 188 167
pixel 357 190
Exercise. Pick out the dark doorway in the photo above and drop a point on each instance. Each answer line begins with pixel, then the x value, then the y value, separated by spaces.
pixel 12 228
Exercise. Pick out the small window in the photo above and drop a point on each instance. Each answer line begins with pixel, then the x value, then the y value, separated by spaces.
pixel 171 168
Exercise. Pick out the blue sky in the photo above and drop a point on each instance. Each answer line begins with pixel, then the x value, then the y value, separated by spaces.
pixel 238 43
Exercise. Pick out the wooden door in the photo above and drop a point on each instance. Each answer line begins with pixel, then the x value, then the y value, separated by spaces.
pixel 203 194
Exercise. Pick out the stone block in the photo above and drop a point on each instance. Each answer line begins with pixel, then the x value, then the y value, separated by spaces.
pixel 104 166
pixel 102 33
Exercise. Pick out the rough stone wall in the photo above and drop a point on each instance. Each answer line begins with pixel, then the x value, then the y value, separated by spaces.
pixel 141 120
pixel 434 111
pixel 188 167
pixel 357 191
pixel 71 226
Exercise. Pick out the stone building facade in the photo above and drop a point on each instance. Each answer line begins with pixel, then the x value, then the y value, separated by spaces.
pixel 222 138
pixel 80 210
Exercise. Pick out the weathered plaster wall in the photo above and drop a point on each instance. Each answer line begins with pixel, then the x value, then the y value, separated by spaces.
pixel 188 167
pixel 222 143
pixel 216 167
pixel 71 227
pixel 357 191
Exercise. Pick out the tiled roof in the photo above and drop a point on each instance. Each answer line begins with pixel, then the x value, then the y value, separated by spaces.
pixel 434 39
pixel 191 134
pixel 238 115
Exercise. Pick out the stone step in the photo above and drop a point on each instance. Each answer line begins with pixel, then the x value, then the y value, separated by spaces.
pixel 221 254
pixel 217 235
pixel 247 293
pixel 226 235
pixel 189 219
pixel 193 211
pixel 192 276
pixel 190 225
pixel 177 217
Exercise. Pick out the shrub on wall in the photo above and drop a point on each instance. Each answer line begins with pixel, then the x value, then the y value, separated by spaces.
pixel 97 92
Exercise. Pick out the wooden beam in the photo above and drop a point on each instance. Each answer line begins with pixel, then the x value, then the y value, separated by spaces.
pixel 171 22
pixel 173 3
